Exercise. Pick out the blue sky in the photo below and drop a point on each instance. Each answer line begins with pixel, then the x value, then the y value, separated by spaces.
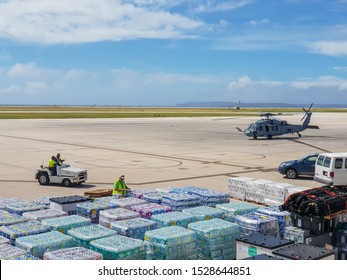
pixel 165 52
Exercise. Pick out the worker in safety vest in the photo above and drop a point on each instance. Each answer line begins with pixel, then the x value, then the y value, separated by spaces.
pixel 52 165
pixel 120 187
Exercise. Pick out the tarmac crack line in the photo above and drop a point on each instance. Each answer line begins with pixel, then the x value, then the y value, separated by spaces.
pixel 309 145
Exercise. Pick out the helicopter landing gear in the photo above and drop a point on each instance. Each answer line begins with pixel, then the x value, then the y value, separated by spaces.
pixel 299 134
pixel 254 135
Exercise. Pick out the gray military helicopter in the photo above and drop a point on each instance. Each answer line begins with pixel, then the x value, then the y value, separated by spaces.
pixel 270 126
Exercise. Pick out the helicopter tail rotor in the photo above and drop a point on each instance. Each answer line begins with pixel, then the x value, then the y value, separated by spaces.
pixel 306 111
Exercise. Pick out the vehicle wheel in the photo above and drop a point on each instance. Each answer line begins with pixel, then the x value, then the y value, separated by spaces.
pixel 255 137
pixel 269 137
pixel 291 173
pixel 66 182
pixel 43 179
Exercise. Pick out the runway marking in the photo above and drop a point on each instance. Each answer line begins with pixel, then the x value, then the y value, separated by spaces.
pixel 131 152
pixel 309 145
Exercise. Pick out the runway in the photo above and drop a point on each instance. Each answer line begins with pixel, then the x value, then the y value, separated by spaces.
pixel 156 152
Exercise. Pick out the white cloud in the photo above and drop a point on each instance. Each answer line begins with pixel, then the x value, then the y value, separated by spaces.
pixel 257 22
pixel 20 70
pixel 74 74
pixel 217 5
pixel 64 21
pixel 35 87
pixel 11 89
pixel 333 48
pixel 240 83
pixel 343 68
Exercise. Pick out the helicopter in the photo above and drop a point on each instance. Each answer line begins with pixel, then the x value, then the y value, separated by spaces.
pixel 270 126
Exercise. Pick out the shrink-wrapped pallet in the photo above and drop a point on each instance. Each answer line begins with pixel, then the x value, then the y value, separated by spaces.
pixel 38 244
pixel 8 252
pixel 179 201
pixel 134 228
pixel 84 235
pixel 118 247
pixel 202 213
pixel 63 224
pixel 4 201
pixel 216 239
pixel 44 214
pixel 127 202
pixel 12 232
pixel 149 209
pixel 45 201
pixel 91 209
pixel 171 243
pixel 175 218
pixel 237 187
pixel 154 197
pixel 140 192
pixel 4 240
pixel 256 190
pixel 236 208
pixel 251 223
pixel 74 253
pixel 7 218
pixel 106 217
pixel 22 207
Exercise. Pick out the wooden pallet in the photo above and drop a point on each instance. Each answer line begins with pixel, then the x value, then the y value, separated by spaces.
pixel 334 215
pixel 98 193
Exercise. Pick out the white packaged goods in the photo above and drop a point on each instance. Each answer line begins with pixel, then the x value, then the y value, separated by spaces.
pixel 237 186
pixel 139 193
pixel 149 209
pixel 256 190
pixel 298 235
pixel 171 243
pixel 91 209
pixel 216 239
pixel 106 217
pixel 15 231
pixel 38 244
pixel 74 253
pixel 119 247
pixel 174 219
pixel 127 202
pixel 179 201
pixel 7 218
pixel 293 189
pixel 5 201
pixel 63 224
pixel 8 252
pixel 84 235
pixel 21 207
pixel 236 208
pixel 205 213
pixel 44 214
pixel 155 197
pixel 134 228
pixel 251 223
pixel 283 217
pixel 4 240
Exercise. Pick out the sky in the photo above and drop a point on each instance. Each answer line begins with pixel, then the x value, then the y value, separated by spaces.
pixel 168 52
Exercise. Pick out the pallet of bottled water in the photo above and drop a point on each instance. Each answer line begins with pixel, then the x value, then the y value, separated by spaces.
pixel 38 244
pixel 257 190
pixel 134 228
pixel 73 253
pixel 127 202
pixel 202 213
pixel 187 189
pixel 12 232
pixel 179 201
pixel 290 189
pixel 216 239
pixel 4 201
pixel 118 247
pixel 91 209
pixel 26 257
pixel 106 217
pixel 84 235
pixel 8 252
pixel 251 223
pixel 63 224
pixel 171 243
pixel 140 192
pixel 164 189
pixel 7 218
pixel 154 197
pixel 147 210
pixel 109 199
pixel 283 217
pixel 21 207
pixel 4 240
pixel 44 214
pixel 235 208
pixel 175 218
pixel 44 201
pixel 237 187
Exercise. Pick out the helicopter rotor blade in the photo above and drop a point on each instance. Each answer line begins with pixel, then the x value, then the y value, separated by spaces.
pixel 306 111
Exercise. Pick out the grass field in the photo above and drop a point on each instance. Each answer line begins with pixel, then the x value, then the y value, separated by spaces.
pixel 64 112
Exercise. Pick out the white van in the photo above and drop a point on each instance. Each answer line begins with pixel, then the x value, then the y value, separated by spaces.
pixel 331 169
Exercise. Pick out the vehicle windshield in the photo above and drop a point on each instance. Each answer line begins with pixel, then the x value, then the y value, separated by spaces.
pixel 309 158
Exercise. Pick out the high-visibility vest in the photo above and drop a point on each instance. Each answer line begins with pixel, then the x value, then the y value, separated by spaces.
pixel 51 163
pixel 119 187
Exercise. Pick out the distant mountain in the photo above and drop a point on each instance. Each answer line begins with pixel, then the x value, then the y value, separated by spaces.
pixel 255 105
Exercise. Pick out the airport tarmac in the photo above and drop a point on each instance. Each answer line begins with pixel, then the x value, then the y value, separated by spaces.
pixel 156 152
